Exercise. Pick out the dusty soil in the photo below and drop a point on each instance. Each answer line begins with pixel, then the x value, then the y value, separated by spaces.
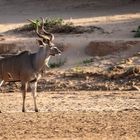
pixel 95 94
pixel 72 115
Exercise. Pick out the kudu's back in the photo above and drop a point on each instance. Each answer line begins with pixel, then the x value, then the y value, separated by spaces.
pixel 17 68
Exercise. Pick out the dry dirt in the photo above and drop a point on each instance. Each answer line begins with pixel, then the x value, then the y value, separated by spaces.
pixel 72 115
pixel 95 94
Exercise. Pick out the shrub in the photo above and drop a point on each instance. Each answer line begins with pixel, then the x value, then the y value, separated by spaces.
pixel 57 64
pixel 57 25
pixel 86 61
pixel 137 32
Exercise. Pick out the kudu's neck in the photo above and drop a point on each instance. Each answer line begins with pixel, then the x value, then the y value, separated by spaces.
pixel 40 57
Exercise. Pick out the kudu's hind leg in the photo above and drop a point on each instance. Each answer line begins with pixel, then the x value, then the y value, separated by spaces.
pixel 1 82
pixel 33 86
pixel 24 90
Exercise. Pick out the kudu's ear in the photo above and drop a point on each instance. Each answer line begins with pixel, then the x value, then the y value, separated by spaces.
pixel 41 43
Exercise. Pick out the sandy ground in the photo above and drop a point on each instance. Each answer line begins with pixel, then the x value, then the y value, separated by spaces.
pixel 64 112
pixel 72 115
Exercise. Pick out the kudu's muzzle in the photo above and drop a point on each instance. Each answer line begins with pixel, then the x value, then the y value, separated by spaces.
pixel 55 51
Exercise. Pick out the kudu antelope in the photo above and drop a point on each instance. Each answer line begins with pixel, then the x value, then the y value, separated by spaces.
pixel 26 67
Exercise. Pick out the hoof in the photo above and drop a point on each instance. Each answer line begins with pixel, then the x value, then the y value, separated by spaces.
pixel 23 110
pixel 36 110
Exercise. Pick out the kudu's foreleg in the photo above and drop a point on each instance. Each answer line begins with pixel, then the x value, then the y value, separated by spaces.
pixel 1 82
pixel 33 86
pixel 24 90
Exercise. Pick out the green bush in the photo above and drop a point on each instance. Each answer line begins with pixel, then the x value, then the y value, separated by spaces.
pixel 57 64
pixel 49 23
pixel 137 32
pixel 86 61
pixel 55 25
